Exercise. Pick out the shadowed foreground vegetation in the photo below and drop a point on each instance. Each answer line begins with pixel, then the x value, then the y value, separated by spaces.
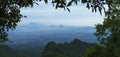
pixel 6 51
pixel 75 48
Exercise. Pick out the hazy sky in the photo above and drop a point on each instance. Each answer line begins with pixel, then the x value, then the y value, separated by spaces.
pixel 46 14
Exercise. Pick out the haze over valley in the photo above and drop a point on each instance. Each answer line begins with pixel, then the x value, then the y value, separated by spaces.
pixel 33 37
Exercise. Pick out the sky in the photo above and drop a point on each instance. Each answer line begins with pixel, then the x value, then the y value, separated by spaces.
pixel 46 14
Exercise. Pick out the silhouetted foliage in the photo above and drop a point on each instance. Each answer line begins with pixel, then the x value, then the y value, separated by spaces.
pixel 75 48
pixel 109 30
pixel 9 16
pixel 108 34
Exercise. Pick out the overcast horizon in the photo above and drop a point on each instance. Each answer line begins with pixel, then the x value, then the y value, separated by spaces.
pixel 46 14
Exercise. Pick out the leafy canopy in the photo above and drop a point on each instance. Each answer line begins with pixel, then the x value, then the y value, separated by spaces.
pixel 75 48
pixel 108 34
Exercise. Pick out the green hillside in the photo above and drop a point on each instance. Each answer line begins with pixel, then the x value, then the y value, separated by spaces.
pixel 6 51
pixel 75 48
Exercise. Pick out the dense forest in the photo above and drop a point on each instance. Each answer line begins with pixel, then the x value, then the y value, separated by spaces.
pixel 75 48
pixel 6 51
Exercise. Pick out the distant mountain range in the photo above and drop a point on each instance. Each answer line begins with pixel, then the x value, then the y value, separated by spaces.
pixel 43 25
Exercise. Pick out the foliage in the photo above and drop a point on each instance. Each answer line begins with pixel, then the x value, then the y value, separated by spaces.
pixel 96 51
pixel 108 34
pixel 9 16
pixel 100 51
pixel 109 30
pixel 6 51
pixel 75 48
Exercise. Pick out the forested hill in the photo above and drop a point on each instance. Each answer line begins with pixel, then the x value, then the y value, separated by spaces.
pixel 75 48
pixel 6 51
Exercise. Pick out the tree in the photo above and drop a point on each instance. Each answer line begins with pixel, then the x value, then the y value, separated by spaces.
pixel 110 27
pixel 10 15
pixel 108 34
pixel 75 48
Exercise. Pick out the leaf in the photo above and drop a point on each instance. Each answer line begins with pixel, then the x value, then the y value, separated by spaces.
pixel 83 1
pixel 100 9
pixel 57 5
pixel 46 1
pixel 70 3
pixel 88 6
pixel 68 9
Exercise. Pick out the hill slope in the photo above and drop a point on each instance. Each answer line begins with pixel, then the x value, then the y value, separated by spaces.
pixel 75 48
pixel 6 51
